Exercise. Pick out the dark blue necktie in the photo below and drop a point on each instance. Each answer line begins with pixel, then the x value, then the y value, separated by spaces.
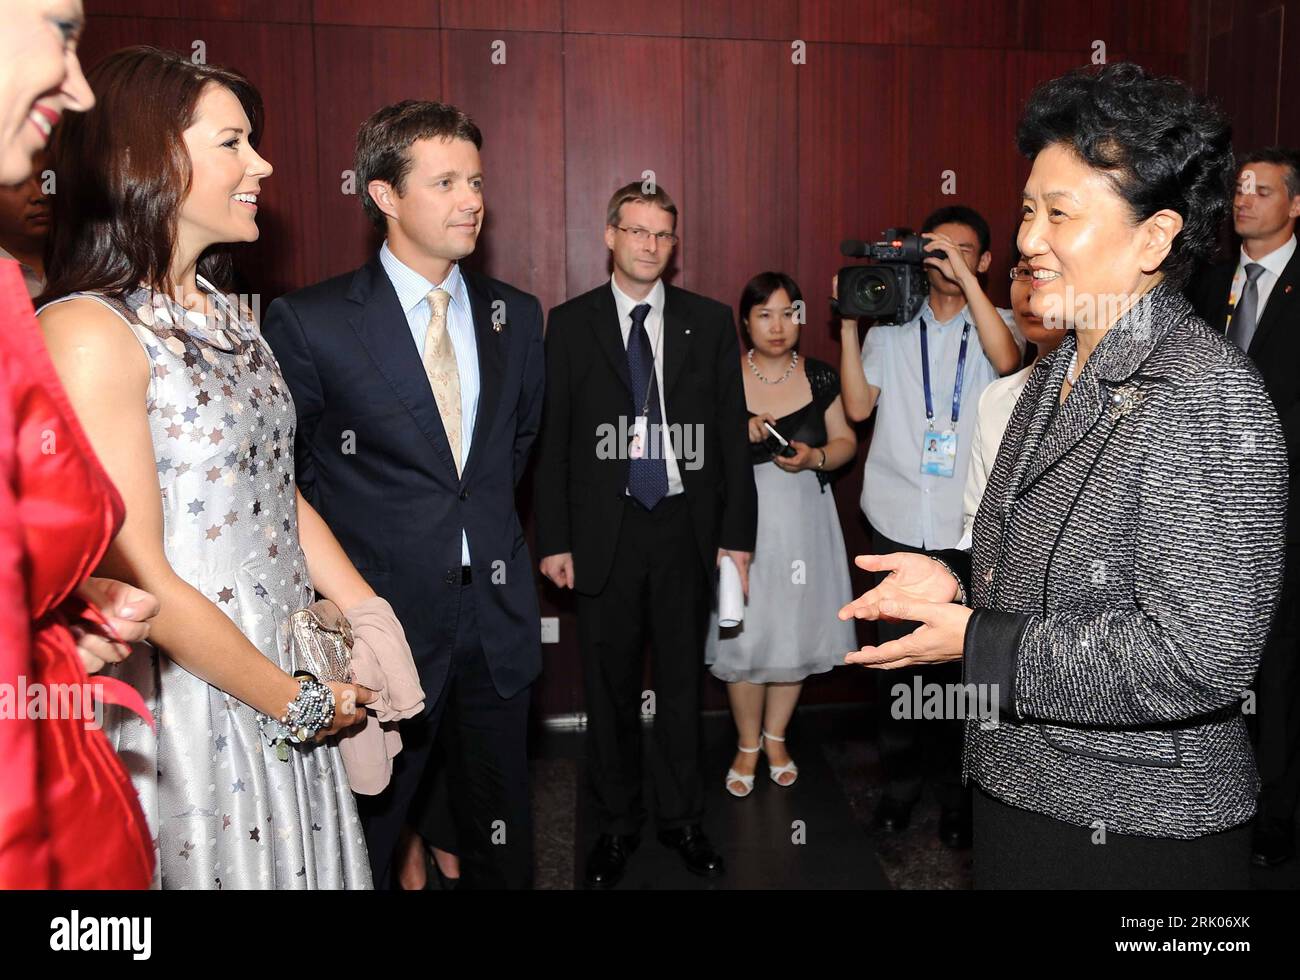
pixel 647 477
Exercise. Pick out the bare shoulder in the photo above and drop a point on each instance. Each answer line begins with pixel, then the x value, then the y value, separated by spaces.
pixel 85 335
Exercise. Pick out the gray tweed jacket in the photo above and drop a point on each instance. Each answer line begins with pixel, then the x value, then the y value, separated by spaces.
pixel 1127 560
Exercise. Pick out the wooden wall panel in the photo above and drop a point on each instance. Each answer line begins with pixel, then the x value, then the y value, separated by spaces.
pixel 1149 25
pixel 284 11
pixel 852 21
pixel 386 13
pixel 523 152
pixel 965 131
pixel 736 19
pixel 741 188
pixel 363 68
pixel 613 135
pixel 604 17
pixel 920 22
pixel 513 15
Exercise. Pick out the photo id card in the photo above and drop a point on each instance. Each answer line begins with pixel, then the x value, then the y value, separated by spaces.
pixel 939 453
pixel 640 430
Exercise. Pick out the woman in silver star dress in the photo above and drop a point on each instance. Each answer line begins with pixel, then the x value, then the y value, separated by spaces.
pixel 186 397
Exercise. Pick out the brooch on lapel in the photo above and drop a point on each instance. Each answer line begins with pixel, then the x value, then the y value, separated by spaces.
pixel 1124 399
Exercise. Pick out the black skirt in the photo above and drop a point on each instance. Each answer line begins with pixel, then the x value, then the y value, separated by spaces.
pixel 1016 848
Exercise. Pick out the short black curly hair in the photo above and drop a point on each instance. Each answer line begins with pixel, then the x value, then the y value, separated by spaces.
pixel 1159 144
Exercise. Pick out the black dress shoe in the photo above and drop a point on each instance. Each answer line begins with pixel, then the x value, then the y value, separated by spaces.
pixel 1272 846
pixel 695 849
pixel 955 827
pixel 891 816
pixel 608 859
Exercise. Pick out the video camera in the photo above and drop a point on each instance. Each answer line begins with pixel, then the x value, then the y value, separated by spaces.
pixel 894 287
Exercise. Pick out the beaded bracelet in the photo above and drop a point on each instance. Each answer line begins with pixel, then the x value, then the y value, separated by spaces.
pixel 311 712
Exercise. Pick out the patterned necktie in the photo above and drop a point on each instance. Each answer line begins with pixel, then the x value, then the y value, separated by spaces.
pixel 1244 316
pixel 647 477
pixel 440 367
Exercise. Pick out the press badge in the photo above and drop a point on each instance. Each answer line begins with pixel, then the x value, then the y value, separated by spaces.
pixel 939 453
pixel 939 449
pixel 640 426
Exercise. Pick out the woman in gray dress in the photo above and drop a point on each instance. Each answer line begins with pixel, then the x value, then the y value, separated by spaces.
pixel 800 572
pixel 178 392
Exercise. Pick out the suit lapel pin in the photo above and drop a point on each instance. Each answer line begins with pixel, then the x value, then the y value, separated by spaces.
pixel 685 331
pixel 1288 288
pixel 496 327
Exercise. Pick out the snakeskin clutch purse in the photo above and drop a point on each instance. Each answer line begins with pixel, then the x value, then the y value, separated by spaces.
pixel 322 641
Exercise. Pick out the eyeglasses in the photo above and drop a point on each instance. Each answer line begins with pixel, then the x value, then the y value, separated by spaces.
pixel 641 235
pixel 1022 275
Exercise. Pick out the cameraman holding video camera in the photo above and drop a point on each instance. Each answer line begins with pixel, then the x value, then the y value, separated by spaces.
pixel 923 379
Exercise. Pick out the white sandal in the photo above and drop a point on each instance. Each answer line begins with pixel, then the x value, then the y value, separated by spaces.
pixel 736 777
pixel 777 771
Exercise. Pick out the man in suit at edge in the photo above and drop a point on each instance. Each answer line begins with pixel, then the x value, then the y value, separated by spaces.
pixel 418 387
pixel 638 535
pixel 1256 298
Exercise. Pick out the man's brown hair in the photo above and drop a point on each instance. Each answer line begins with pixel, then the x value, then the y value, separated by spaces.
pixel 635 191
pixel 384 142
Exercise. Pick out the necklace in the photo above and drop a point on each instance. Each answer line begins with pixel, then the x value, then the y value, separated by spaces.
pixel 794 362
pixel 1072 372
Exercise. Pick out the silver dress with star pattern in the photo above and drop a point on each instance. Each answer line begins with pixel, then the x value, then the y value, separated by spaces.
pixel 224 810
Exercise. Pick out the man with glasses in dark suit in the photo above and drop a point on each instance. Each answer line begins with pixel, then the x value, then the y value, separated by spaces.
pixel 644 483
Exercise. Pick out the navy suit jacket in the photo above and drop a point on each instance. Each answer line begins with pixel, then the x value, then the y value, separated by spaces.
pixel 374 460
pixel 1275 349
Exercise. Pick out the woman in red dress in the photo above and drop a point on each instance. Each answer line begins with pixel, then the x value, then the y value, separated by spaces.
pixel 69 817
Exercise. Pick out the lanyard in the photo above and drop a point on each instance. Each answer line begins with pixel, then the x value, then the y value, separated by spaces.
pixel 654 357
pixel 956 385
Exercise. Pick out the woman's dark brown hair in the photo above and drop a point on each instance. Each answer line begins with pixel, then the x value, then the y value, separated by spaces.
pixel 123 171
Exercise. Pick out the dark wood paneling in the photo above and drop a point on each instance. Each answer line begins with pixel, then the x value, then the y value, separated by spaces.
pixel 361 69
pixel 613 134
pixel 133 8
pixel 920 22
pixel 740 193
pixel 736 19
pixel 285 11
pixel 969 25
pixel 277 11
pixel 967 129
pixel 853 125
pixel 518 106
pixel 604 17
pixel 513 15
pixel 1149 25
pixel 852 21
pixel 387 13
pixel 1288 129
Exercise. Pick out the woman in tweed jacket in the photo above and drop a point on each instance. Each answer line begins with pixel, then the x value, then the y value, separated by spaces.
pixel 1127 554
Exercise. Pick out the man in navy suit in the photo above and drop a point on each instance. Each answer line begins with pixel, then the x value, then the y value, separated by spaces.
pixel 418 387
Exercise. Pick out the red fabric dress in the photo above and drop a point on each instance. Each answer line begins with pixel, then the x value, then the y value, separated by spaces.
pixel 69 817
